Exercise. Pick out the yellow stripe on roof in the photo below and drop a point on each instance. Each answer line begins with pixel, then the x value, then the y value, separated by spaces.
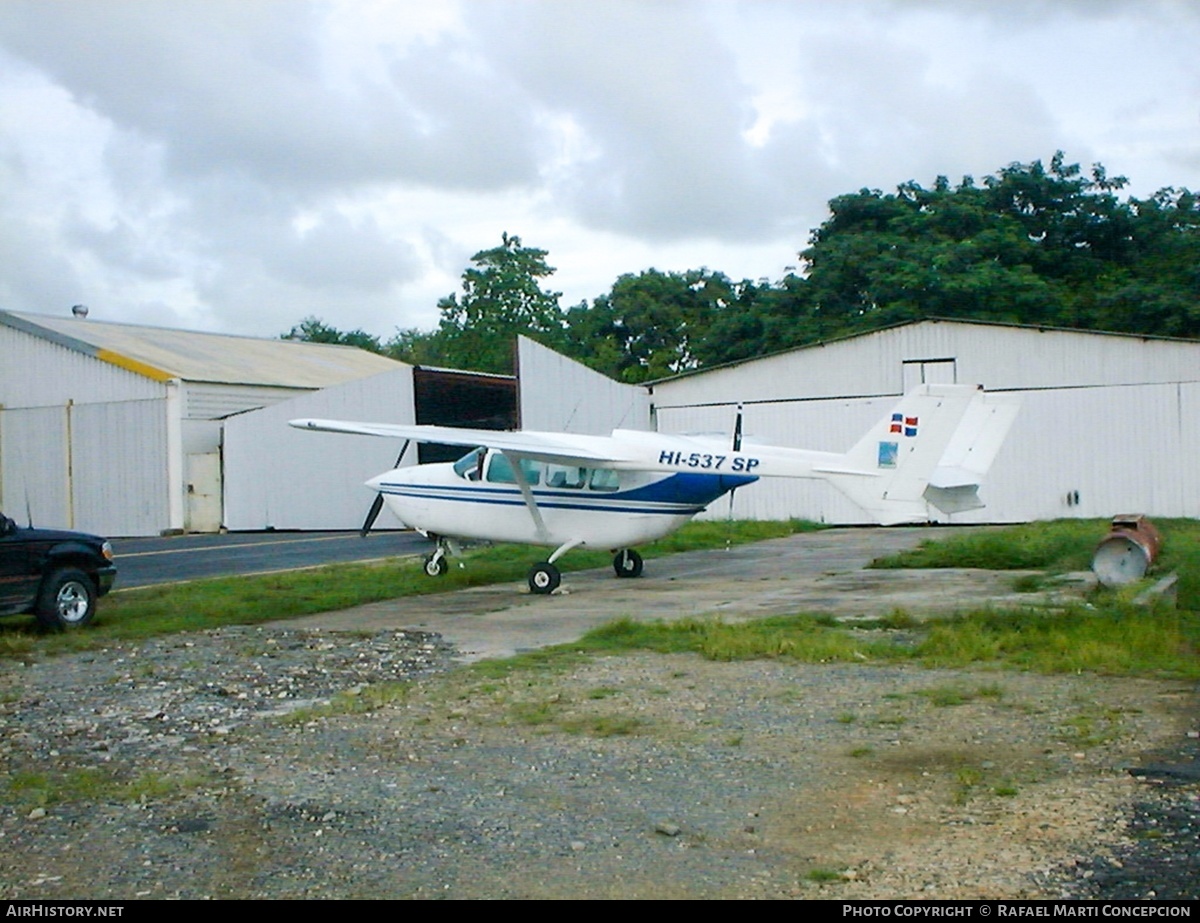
pixel 133 365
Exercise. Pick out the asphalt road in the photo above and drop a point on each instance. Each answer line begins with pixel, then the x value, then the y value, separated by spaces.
pixel 145 561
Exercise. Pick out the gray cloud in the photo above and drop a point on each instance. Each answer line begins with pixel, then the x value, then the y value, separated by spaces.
pixel 244 164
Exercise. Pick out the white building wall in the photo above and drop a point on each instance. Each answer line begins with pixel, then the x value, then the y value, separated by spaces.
pixel 277 477
pixel 126 492
pixel 38 373
pixel 558 394
pixel 1108 424
pixel 33 466
pixel 82 441
pixel 998 357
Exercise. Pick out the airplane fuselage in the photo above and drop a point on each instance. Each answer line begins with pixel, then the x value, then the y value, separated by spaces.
pixel 597 508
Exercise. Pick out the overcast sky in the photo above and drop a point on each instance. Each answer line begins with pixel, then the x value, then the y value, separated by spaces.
pixel 237 165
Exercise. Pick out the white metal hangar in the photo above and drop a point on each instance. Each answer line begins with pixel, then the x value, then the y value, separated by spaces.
pixel 129 430
pixel 281 478
pixel 116 428
pixel 277 477
pixel 1109 423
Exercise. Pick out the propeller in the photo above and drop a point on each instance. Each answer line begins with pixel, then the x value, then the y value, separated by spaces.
pixel 377 503
pixel 737 447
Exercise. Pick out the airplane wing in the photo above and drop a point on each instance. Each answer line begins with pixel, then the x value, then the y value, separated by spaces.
pixel 563 448
pixel 624 450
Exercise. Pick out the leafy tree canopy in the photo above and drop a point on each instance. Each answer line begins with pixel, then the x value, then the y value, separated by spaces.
pixel 314 330
pixel 1033 244
pixel 501 297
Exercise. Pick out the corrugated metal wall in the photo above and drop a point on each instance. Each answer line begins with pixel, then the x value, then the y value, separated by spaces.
pixel 1108 424
pixel 212 401
pixel 279 477
pixel 558 394
pixel 92 467
pixel 82 442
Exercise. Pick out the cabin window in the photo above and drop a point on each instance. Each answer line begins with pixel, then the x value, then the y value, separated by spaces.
pixel 605 479
pixel 471 464
pixel 500 470
pixel 569 476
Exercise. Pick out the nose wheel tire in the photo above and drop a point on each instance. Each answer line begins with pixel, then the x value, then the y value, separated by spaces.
pixel 436 565
pixel 544 579
pixel 627 563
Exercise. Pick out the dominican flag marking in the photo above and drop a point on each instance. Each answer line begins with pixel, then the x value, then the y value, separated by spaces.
pixel 903 424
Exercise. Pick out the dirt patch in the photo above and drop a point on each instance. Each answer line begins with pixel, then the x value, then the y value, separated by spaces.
pixel 633 776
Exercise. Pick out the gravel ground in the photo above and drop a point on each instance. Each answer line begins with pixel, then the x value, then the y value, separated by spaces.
pixel 207 766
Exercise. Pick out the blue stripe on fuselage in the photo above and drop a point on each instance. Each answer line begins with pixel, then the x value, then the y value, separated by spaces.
pixel 685 493
pixel 687 487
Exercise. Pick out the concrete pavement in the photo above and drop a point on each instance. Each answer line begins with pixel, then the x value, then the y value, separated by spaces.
pixel 813 572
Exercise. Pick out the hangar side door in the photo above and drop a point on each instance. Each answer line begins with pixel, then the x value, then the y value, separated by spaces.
pixel 203 492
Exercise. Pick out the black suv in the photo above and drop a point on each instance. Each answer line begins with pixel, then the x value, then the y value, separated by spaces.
pixel 56 575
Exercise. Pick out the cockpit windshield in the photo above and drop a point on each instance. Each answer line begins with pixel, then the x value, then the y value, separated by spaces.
pixel 470 466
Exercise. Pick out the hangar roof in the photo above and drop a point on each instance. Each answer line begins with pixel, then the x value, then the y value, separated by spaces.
pixel 163 354
pixel 917 323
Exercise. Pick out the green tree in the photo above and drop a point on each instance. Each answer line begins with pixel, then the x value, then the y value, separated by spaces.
pixel 501 297
pixel 314 330
pixel 416 347
pixel 653 324
pixel 1033 244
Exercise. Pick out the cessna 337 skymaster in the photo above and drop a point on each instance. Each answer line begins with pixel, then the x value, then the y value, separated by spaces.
pixel 570 491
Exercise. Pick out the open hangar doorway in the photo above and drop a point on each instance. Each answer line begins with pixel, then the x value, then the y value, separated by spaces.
pixel 473 400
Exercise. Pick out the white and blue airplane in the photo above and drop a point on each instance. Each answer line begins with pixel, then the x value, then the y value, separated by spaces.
pixel 566 491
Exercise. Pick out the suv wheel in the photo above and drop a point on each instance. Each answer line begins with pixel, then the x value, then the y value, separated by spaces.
pixel 68 599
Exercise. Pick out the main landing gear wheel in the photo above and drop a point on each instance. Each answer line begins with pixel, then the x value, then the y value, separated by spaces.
pixel 436 565
pixel 627 563
pixel 544 579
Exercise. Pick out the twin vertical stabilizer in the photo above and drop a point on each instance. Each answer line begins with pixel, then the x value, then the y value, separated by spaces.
pixel 933 449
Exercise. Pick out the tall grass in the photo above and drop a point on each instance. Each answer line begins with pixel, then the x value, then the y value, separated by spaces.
pixel 1057 547
pixel 1131 641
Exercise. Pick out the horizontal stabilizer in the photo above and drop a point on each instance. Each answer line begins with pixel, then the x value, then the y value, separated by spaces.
pixel 957 499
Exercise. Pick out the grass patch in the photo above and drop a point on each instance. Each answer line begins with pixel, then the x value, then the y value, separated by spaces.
pixel 1092 728
pixel 201 604
pixel 603 725
pixel 795 637
pixel 1119 641
pixel 93 785
pixel 966 778
pixel 959 694
pixel 549 714
pixel 1055 547
pixel 1059 546
pixel 357 701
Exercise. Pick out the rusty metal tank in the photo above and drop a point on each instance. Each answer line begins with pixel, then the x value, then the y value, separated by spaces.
pixel 1126 553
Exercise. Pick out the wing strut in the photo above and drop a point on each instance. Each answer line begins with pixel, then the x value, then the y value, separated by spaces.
pixel 527 492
